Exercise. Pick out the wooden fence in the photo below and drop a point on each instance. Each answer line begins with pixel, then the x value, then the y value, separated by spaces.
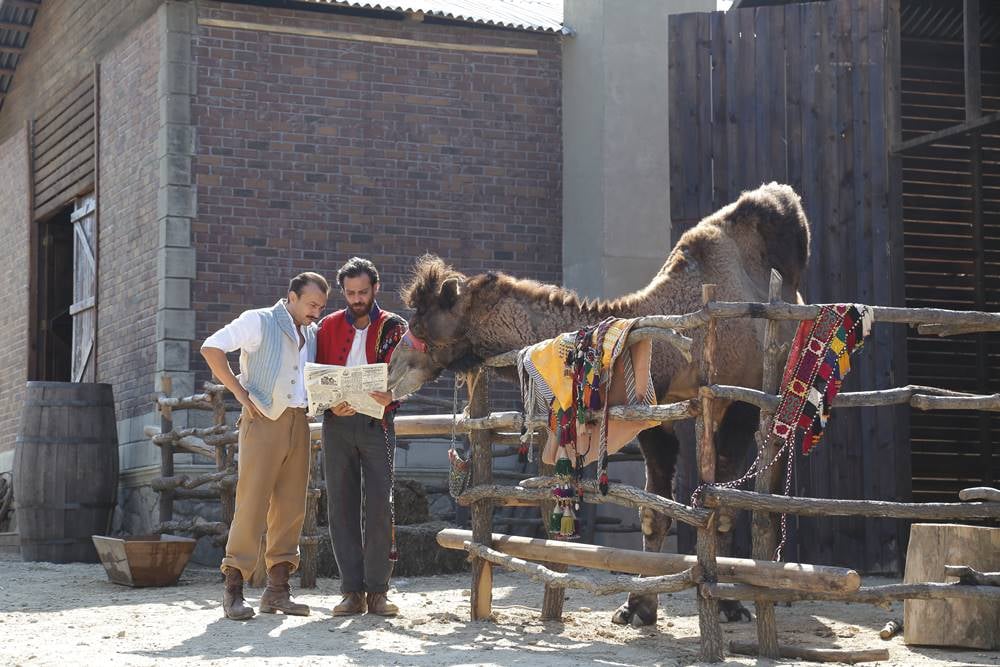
pixel 717 578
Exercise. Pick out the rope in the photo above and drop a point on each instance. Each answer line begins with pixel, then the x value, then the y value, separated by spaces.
pixel 458 474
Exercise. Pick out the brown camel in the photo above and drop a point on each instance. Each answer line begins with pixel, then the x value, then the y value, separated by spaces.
pixel 464 320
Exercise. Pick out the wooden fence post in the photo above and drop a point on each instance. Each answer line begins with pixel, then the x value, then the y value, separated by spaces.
pixel 552 601
pixel 166 452
pixel 764 527
pixel 482 510
pixel 708 538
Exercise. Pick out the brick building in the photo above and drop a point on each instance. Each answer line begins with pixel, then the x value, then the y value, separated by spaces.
pixel 218 148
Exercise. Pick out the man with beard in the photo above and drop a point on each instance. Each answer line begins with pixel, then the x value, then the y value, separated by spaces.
pixel 275 343
pixel 358 451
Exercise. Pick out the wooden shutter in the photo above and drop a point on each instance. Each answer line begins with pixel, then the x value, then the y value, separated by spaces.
pixel 84 308
pixel 63 149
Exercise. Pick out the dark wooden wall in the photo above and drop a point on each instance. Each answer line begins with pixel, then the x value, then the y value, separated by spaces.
pixel 803 94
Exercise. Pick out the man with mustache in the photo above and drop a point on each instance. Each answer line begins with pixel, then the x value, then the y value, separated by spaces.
pixel 275 343
pixel 358 448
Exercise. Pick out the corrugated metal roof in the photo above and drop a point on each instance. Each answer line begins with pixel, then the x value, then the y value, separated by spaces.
pixel 531 15
pixel 16 17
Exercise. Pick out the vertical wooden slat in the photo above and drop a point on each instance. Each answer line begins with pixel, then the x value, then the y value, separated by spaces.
pixel 776 96
pixel 746 120
pixel 720 144
pixel 852 276
pixel 731 23
pixel 795 83
pixel 875 436
pixel 97 205
pixel 763 51
pixel 681 110
pixel 814 479
pixel 887 182
pixel 701 155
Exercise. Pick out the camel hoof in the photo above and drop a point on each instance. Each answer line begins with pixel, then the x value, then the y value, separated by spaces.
pixel 638 621
pixel 622 615
pixel 734 611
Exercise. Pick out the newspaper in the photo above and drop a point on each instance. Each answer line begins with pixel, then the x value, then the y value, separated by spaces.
pixel 328 385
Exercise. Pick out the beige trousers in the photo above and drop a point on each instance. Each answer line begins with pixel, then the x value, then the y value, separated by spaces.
pixel 271 491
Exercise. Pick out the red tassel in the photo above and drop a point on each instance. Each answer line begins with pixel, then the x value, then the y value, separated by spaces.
pixel 393 554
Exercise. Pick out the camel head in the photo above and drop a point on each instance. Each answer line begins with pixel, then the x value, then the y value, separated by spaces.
pixel 440 301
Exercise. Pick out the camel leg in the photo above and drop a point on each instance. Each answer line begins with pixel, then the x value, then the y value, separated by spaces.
pixel 659 449
pixel 733 440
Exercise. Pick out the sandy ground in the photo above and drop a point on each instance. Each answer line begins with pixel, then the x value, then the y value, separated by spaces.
pixel 70 614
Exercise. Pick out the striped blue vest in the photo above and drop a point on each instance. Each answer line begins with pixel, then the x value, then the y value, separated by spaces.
pixel 273 368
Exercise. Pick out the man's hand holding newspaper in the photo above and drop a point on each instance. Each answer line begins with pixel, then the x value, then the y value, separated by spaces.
pixel 328 386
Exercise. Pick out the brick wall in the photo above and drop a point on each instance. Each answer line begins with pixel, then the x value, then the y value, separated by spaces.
pixel 67 38
pixel 14 221
pixel 127 284
pixel 311 150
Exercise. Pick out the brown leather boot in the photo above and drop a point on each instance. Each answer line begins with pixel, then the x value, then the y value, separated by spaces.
pixel 277 595
pixel 351 604
pixel 233 604
pixel 378 603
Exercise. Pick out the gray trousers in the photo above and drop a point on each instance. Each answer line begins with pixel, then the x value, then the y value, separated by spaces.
pixel 357 491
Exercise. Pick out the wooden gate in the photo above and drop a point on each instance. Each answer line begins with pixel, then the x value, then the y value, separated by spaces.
pixel 806 94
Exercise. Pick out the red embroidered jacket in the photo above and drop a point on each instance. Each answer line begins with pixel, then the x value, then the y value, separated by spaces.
pixel 336 334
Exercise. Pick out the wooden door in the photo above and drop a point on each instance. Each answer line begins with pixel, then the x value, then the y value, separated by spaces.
pixel 84 308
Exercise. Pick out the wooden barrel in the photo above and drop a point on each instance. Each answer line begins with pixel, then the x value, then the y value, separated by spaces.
pixel 65 470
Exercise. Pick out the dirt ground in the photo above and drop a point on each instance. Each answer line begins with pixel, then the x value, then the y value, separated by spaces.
pixel 70 614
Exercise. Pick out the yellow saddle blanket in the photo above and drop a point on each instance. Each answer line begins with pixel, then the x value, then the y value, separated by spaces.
pixel 547 385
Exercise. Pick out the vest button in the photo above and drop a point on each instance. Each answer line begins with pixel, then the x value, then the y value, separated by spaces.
pixel 289 396
pixel 293 381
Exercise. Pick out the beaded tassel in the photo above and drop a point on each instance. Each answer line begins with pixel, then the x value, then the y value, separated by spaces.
pixel 567 527
pixel 563 466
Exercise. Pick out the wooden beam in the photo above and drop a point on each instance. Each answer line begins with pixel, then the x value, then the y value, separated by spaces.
pixel 977 125
pixel 761 573
pixel 814 654
pixel 358 37
pixel 970 576
pixel 20 27
pixel 877 595
pixel 717 497
pixel 668 583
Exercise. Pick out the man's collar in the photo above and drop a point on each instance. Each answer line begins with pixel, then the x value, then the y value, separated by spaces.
pixel 373 314
pixel 284 302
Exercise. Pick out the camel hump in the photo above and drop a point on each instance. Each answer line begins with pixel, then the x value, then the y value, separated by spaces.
pixel 776 210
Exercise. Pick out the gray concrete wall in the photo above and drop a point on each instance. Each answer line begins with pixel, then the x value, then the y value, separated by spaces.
pixel 616 171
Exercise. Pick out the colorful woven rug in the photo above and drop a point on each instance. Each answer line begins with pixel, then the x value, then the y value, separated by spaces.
pixel 817 364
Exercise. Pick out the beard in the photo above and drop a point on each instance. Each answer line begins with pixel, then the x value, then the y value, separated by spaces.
pixel 361 309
